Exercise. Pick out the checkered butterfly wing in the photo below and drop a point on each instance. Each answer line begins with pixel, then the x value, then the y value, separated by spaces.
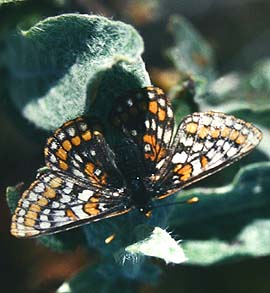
pixel 146 119
pixel 82 185
pixel 205 143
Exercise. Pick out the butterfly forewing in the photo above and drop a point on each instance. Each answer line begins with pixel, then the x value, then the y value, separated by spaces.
pixel 146 119
pixel 82 185
pixel 79 149
pixel 205 143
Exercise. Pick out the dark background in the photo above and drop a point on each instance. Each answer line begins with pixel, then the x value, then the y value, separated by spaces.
pixel 239 33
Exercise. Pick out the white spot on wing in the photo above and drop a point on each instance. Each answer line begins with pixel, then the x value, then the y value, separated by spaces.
pixel 83 126
pixel 78 158
pixel 206 120
pixel 197 147
pixel 169 112
pixel 167 136
pixel 153 124
pixel 77 173
pixel 61 135
pixel 159 132
pixel 85 195
pixel 53 145
pixel 79 212
pixel 129 102
pixel 179 158
pixel 161 102
pixel 147 147
pixel 45 225
pixel 71 131
pixel 197 168
pixel 65 198
pixel 231 152
pixel 160 164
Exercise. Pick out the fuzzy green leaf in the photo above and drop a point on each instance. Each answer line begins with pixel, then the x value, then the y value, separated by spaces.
pixel 64 63
pixel 236 215
pixel 191 54
pixel 159 244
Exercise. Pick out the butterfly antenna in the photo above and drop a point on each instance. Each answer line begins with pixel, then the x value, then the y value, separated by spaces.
pixel 189 201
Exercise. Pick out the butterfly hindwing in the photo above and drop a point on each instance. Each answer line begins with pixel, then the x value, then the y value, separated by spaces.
pixel 145 116
pixel 205 143
pixel 55 203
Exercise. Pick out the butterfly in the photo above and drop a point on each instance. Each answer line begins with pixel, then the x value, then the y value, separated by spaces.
pixel 89 179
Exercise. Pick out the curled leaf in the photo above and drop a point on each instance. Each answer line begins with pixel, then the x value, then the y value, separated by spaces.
pixel 63 63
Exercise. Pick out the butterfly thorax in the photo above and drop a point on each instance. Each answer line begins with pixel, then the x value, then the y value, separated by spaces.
pixel 141 197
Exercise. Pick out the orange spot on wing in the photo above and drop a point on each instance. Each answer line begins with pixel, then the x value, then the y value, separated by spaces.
pixel 63 165
pixel 86 135
pixel 42 201
pixel 91 209
pixel 153 107
pixel 149 139
pixel 234 134
pixel 49 193
pixel 89 168
pixel 241 139
pixel 159 91
pixel 177 168
pixel 49 140
pixel 46 151
pixel 225 132
pixel 204 161
pixel 161 152
pixel 185 171
pixel 29 222
pixel 215 133
pixel 71 215
pixel 96 132
pixel 76 140
pixel 203 131
pixel 191 127
pixel 104 179
pixel 67 145
pixel 94 199
pixel 35 208
pixel 161 114
pixel 55 182
pixel 31 216
pixel 61 153
pixel 150 88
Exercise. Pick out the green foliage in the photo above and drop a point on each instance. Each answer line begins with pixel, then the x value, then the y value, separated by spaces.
pixel 191 54
pixel 230 222
pixel 63 63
